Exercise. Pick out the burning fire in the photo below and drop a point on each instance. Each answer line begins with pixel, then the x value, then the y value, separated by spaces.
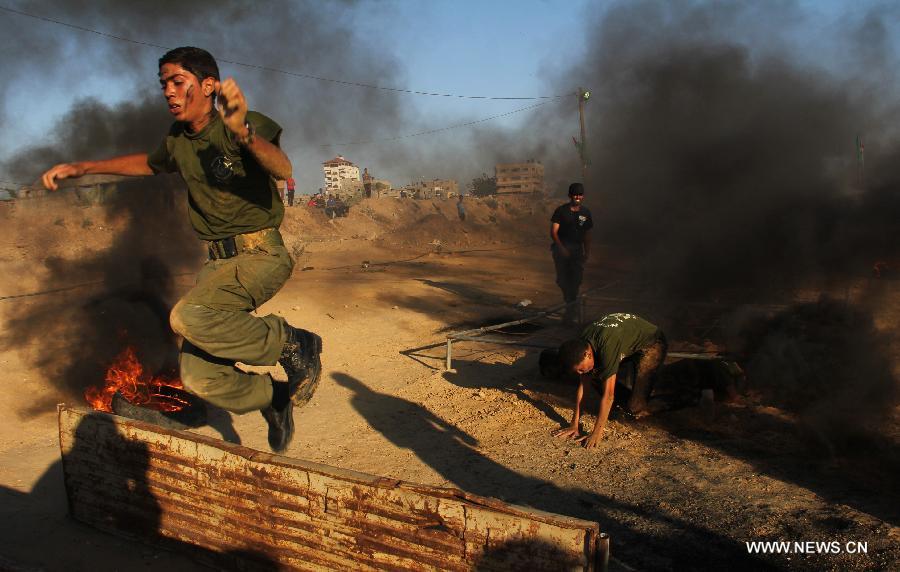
pixel 126 376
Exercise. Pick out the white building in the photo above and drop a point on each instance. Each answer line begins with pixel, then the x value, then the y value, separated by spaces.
pixel 337 170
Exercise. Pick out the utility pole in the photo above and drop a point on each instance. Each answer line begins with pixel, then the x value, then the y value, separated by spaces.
pixel 583 96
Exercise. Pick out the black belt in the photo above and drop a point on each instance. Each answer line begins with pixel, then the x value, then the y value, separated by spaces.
pixel 225 248
pixel 234 245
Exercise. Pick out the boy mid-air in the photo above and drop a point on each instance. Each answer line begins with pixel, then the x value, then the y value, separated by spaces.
pixel 229 158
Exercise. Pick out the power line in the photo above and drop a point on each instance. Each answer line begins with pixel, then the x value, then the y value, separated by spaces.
pixel 325 145
pixel 281 71
pixel 29 186
pixel 436 130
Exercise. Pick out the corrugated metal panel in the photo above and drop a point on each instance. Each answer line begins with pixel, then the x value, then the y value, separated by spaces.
pixel 246 509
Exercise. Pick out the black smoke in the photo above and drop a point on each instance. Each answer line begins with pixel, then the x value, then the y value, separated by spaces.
pixel 74 335
pixel 305 38
pixel 724 159
pixel 827 362
pixel 123 292
pixel 721 135
pixel 723 164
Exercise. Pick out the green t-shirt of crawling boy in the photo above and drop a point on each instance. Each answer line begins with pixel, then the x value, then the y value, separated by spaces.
pixel 613 338
pixel 229 193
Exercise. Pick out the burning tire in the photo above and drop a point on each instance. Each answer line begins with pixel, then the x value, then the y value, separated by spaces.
pixel 173 408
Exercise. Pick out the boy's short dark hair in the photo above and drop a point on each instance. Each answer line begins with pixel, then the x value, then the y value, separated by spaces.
pixel 571 353
pixel 195 60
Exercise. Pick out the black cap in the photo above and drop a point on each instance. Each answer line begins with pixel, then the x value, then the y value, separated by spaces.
pixel 576 189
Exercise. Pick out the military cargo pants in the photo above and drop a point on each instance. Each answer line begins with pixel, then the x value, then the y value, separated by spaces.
pixel 215 319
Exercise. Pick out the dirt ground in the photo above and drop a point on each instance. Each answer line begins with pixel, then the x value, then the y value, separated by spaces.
pixel 681 490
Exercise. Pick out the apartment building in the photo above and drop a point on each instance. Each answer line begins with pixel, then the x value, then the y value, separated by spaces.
pixel 337 170
pixel 527 177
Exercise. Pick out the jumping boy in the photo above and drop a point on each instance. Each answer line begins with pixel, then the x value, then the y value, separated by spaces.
pixel 229 158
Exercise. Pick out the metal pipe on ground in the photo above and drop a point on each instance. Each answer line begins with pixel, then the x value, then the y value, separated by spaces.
pixel 468 335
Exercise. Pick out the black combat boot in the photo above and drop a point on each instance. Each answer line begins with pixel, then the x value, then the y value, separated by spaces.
pixel 281 426
pixel 302 363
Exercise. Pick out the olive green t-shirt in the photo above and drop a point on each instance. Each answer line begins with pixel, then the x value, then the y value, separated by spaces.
pixel 613 338
pixel 229 193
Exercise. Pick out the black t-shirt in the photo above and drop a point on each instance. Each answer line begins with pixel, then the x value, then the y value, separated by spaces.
pixel 572 225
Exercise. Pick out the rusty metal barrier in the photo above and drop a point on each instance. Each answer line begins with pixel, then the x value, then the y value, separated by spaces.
pixel 238 508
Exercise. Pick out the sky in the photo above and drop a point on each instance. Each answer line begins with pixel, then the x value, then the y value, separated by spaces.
pixel 524 49
pixel 463 48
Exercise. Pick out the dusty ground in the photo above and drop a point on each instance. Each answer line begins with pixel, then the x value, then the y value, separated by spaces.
pixel 677 491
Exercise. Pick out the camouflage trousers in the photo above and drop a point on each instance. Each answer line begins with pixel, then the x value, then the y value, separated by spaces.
pixel 218 328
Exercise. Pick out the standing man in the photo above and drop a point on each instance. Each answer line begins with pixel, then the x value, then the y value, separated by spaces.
pixel 595 356
pixel 367 182
pixel 570 229
pixel 290 191
pixel 229 158
pixel 461 209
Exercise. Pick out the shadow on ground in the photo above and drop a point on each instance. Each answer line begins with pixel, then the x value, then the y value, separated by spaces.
pixel 40 531
pixel 454 455
pixel 780 446
pixel 783 449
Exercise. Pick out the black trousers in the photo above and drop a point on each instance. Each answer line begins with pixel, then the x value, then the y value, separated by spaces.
pixel 569 270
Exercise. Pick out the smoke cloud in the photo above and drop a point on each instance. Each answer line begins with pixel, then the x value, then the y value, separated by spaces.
pixel 130 286
pixel 78 336
pixel 827 362
pixel 722 150
pixel 306 37
pixel 723 161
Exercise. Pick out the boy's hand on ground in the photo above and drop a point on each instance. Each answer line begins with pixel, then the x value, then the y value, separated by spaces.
pixel 567 433
pixel 233 105
pixel 59 172
pixel 590 441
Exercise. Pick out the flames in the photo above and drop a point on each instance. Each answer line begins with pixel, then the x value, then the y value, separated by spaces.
pixel 127 377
